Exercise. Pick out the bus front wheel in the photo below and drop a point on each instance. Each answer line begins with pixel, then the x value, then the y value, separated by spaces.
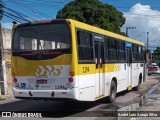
pixel 113 91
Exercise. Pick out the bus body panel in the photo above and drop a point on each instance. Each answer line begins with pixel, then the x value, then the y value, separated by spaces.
pixel 53 67
pixel 89 83
pixel 46 76
pixel 136 71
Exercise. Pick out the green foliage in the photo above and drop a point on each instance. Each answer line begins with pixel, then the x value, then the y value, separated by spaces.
pixel 156 56
pixel 1 11
pixel 95 13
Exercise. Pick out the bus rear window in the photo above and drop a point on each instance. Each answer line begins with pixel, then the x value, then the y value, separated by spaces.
pixel 42 37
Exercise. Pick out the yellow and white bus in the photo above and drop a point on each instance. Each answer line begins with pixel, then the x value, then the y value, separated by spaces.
pixel 67 59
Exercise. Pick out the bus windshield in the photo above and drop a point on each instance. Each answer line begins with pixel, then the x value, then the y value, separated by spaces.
pixel 42 37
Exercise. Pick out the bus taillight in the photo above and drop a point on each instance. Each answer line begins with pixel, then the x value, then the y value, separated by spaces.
pixel 14 80
pixel 14 77
pixel 71 73
pixel 70 79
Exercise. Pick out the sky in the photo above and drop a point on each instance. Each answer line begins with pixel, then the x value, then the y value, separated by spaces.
pixel 144 15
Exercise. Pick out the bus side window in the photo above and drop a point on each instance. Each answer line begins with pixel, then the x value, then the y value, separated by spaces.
pixel 121 54
pixel 144 54
pixel 134 52
pixel 80 49
pixel 106 49
pixel 111 49
pixel 85 46
pixel 96 54
pixel 140 54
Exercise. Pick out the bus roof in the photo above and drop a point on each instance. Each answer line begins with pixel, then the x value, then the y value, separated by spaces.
pixel 104 32
pixel 85 26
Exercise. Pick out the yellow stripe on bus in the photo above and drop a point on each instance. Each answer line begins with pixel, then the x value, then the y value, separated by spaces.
pixel 85 69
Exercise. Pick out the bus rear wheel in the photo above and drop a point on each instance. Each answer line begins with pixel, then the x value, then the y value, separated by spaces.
pixel 139 83
pixel 113 91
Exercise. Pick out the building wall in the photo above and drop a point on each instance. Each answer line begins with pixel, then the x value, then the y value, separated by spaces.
pixel 6 56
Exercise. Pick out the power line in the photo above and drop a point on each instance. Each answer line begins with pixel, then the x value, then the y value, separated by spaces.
pixel 1 11
pixel 32 11
pixel 29 7
pixel 12 18
pixel 23 16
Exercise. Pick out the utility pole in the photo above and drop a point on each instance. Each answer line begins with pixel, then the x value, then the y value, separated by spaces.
pixel 152 54
pixel 151 57
pixel 147 40
pixel 129 28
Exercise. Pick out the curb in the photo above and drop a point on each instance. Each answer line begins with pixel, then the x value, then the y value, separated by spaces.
pixel 2 98
pixel 5 97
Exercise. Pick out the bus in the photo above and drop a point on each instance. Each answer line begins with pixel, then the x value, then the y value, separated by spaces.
pixel 70 60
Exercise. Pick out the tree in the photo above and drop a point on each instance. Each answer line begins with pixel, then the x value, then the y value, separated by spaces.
pixel 95 13
pixel 1 11
pixel 156 56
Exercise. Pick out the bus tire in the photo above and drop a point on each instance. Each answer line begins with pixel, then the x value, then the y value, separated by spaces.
pixel 113 91
pixel 139 83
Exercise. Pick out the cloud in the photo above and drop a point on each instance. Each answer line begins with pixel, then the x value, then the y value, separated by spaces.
pixel 145 20
pixel 7 25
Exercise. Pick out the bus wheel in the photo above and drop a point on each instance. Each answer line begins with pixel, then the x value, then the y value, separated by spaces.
pixel 139 83
pixel 113 90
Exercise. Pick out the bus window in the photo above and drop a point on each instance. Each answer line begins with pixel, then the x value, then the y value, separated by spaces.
pixel 41 45
pixel 28 43
pixel 85 46
pixel 96 54
pixel 21 43
pixel 121 54
pixel 101 54
pixel 48 37
pixel 53 46
pixel 140 54
pixel 111 49
pixel 135 53
pixel 34 44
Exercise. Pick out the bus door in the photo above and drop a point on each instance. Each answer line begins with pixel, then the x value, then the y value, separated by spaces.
pixel 99 60
pixel 129 63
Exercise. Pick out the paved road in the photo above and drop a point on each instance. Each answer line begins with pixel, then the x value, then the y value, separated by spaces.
pixel 63 110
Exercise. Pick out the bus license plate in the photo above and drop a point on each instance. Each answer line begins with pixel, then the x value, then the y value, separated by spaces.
pixel 41 81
